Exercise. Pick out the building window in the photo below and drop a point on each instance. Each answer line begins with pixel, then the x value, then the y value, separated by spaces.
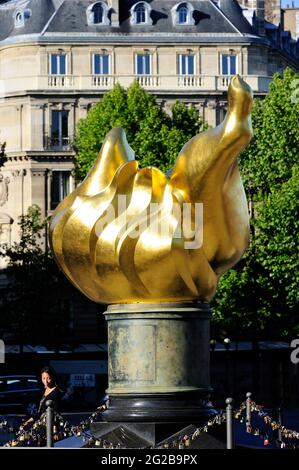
pixel 101 64
pixel 21 17
pixel 143 64
pixel 59 129
pixel 182 14
pixel 228 64
pixel 58 64
pixel 98 13
pixel 140 13
pixel 186 64
pixel 60 187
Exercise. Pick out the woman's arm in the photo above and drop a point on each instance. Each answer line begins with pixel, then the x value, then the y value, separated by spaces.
pixel 30 420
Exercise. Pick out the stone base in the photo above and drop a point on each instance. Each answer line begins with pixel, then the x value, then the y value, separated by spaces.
pixel 158 363
pixel 159 381
pixel 168 407
pixel 145 435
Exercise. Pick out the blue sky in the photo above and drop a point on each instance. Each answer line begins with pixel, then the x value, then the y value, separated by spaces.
pixel 289 2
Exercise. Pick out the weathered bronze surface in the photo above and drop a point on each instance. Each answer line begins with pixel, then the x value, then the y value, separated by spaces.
pixel 161 349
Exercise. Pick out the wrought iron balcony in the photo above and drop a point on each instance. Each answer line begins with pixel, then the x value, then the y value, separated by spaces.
pixel 57 143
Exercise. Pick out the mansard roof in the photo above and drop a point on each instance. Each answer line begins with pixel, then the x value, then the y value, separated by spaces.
pixel 71 17
pixel 40 12
pixel 215 21
pixel 233 11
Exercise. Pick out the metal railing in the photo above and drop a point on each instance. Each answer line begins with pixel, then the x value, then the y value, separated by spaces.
pixel 57 143
pixel 51 427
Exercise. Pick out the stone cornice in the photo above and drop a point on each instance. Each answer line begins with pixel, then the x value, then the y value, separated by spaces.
pixel 143 38
pixel 42 156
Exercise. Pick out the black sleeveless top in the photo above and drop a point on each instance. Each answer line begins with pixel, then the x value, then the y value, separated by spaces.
pixel 55 397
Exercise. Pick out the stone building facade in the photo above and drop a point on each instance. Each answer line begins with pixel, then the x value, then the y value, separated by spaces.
pixel 58 57
pixel 269 10
pixel 291 20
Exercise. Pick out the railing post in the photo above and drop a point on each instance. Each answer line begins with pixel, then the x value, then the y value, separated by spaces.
pixel 49 422
pixel 229 424
pixel 280 421
pixel 248 411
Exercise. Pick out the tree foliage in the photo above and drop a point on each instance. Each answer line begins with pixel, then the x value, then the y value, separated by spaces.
pixel 30 306
pixel 268 161
pixel 259 297
pixel 276 241
pixel 155 136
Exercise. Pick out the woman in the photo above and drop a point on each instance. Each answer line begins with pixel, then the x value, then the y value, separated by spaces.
pixel 52 392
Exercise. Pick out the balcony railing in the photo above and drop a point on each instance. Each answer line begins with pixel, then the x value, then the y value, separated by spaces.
pixel 57 143
pixel 186 81
pixel 61 81
pixel 176 83
pixel 103 81
pixel 223 81
pixel 146 81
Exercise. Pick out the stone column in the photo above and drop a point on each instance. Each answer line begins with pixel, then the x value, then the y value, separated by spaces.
pixel 158 362
pixel 210 112
pixel 37 126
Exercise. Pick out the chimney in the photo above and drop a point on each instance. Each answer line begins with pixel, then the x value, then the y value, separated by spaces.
pixel 282 20
pixel 273 11
pixel 114 6
pixel 259 25
pixel 254 5
pixel 258 7
pixel 254 12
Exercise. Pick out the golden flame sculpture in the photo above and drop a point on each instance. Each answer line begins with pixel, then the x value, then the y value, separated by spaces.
pixel 103 259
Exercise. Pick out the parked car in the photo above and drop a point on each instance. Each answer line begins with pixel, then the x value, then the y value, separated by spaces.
pixel 19 394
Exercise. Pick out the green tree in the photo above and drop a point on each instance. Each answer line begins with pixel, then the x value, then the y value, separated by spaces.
pixel 268 161
pixel 276 248
pixel 259 297
pixel 155 136
pixel 30 306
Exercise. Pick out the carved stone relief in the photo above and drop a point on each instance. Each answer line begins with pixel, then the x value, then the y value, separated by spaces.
pixel 5 229
pixel 4 182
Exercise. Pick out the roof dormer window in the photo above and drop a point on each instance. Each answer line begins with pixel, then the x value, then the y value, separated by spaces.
pixel 21 16
pixel 182 14
pixel 140 14
pixel 97 14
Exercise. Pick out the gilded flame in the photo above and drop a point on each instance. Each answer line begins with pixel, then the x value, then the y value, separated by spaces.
pixel 104 261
